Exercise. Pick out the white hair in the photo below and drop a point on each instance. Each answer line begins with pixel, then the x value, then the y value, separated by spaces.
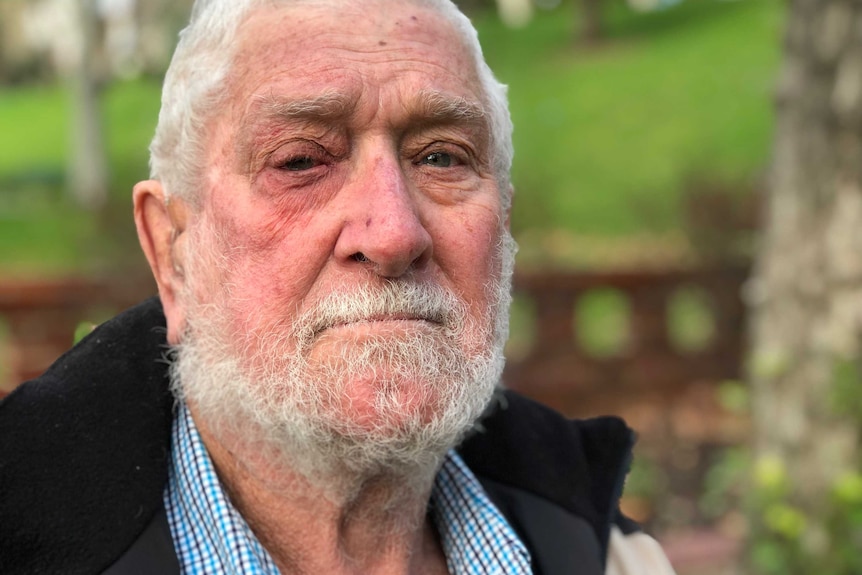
pixel 193 91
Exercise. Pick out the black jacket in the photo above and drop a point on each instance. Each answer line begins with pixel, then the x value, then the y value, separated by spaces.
pixel 84 451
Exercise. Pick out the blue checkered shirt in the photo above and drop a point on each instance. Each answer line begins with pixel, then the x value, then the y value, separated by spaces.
pixel 210 535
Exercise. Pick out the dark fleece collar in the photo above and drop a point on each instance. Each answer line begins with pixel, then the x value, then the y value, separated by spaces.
pixel 84 451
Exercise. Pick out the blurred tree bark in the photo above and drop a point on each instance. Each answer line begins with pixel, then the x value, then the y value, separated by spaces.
pixel 806 294
pixel 590 28
pixel 88 169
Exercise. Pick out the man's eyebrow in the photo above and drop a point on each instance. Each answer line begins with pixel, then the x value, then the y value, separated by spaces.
pixel 425 108
pixel 439 107
pixel 330 104
pixel 429 106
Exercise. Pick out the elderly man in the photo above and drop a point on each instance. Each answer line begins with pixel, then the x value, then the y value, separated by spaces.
pixel 328 228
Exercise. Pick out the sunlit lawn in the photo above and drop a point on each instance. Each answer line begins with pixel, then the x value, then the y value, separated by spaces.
pixel 41 230
pixel 605 138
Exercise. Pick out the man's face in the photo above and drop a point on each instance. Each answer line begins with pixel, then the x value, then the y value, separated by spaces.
pixel 352 165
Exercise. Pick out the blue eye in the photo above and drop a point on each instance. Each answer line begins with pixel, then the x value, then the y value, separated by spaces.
pixel 438 160
pixel 299 164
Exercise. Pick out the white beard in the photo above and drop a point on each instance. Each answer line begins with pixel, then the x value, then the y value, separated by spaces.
pixel 429 383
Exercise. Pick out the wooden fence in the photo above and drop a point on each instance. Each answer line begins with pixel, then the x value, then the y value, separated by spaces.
pixel 39 319
pixel 660 383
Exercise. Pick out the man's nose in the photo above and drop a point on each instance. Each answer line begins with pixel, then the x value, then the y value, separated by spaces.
pixel 383 227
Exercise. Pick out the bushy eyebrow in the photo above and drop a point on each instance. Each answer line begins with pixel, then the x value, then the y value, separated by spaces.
pixel 427 107
pixel 328 105
pixel 434 106
pixel 432 109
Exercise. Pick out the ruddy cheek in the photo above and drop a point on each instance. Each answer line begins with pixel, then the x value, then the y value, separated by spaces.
pixel 471 237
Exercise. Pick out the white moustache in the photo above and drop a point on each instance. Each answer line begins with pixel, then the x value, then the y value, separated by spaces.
pixel 390 302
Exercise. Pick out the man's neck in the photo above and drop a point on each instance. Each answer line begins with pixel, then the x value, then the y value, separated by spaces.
pixel 377 524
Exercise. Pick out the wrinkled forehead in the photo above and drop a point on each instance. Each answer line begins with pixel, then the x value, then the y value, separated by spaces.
pixel 311 21
pixel 319 45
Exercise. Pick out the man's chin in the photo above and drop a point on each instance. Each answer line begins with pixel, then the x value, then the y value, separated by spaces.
pixel 399 405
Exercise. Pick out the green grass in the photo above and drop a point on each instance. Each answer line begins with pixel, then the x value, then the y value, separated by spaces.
pixel 41 230
pixel 605 137
pixel 35 135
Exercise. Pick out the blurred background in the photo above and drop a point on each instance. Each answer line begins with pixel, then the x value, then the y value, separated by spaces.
pixel 688 209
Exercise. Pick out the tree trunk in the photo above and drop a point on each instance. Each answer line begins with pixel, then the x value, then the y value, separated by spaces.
pixel 806 294
pixel 88 170
pixel 590 18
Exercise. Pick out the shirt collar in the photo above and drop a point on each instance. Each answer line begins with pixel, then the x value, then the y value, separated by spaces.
pixel 476 537
pixel 210 535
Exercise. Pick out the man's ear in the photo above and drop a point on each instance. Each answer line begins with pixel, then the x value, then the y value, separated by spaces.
pixel 161 232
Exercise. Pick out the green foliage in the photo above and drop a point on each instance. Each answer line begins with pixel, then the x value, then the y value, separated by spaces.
pixel 788 535
pixel 82 330
pixel 770 364
pixel 646 479
pixel 788 539
pixel 846 396
pixel 734 397
pixel 723 482
pixel 784 537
